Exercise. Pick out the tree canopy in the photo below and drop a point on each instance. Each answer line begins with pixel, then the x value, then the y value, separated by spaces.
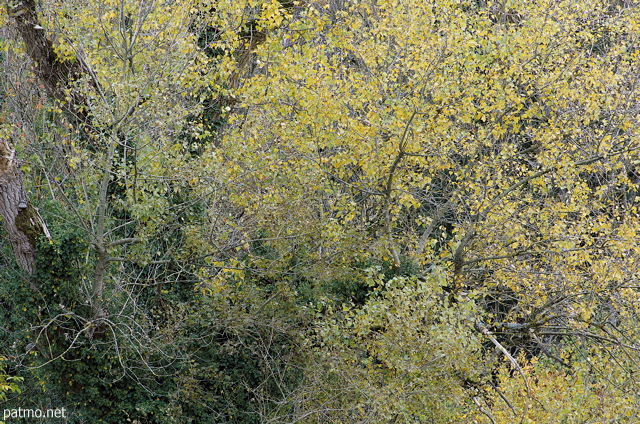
pixel 277 211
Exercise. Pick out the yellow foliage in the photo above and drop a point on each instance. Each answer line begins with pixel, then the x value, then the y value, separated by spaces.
pixel 496 140
pixel 560 395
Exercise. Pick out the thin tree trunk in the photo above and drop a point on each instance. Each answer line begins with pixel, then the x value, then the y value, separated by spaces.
pixel 97 311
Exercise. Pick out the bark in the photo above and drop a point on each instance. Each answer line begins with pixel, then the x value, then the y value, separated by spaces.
pixel 97 311
pixel 58 76
pixel 21 220
pixel 56 73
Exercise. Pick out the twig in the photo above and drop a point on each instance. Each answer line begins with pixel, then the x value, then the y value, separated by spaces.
pixel 484 411
pixel 481 328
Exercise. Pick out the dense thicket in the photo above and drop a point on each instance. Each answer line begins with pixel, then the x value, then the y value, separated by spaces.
pixel 320 211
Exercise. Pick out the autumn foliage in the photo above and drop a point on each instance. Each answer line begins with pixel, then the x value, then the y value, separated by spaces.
pixel 326 211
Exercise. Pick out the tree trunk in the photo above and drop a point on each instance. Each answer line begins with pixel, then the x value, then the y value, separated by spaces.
pixel 56 73
pixel 21 220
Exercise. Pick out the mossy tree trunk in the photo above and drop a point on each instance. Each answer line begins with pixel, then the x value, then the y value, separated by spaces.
pixel 21 220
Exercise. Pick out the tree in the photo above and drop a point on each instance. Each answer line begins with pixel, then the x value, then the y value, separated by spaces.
pixel 21 221
pixel 124 86
pixel 499 142
pixel 303 184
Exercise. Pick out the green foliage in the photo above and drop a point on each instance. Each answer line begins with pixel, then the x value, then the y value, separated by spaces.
pixel 216 359
pixel 407 355
pixel 247 354
pixel 86 371
pixel 353 286
pixel 560 395
pixel 8 384
pixel 59 268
